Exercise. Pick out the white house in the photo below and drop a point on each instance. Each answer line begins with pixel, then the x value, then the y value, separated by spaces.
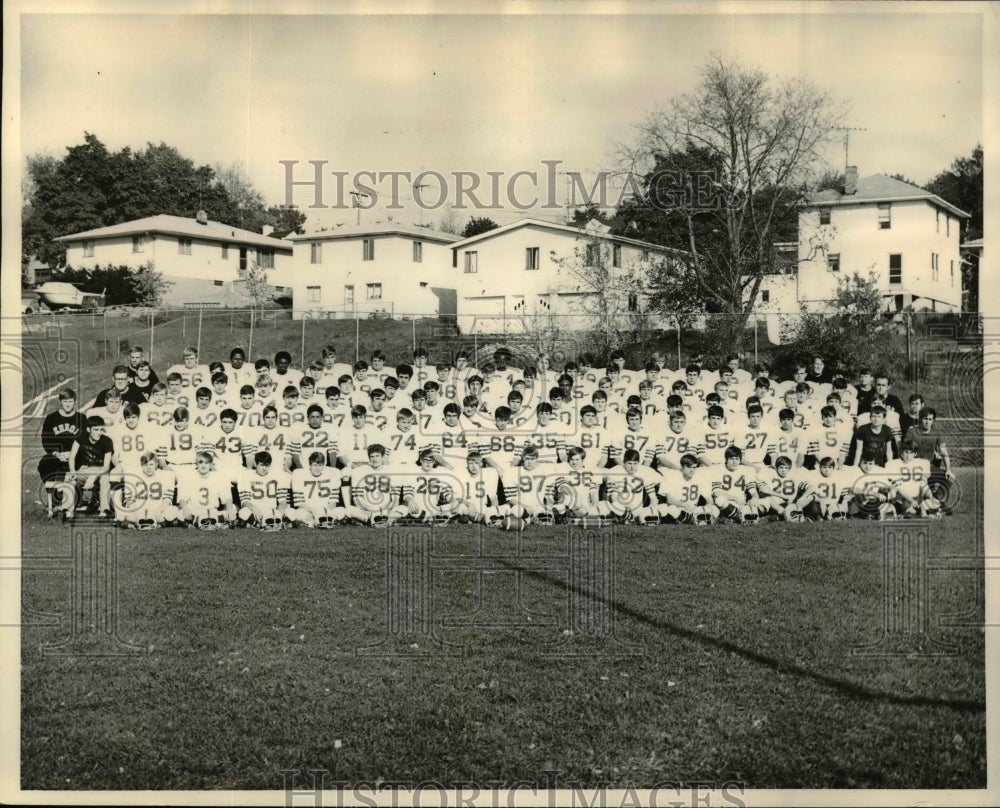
pixel 907 236
pixel 514 278
pixel 358 270
pixel 205 261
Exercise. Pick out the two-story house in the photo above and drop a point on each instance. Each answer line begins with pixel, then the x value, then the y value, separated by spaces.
pixel 907 236
pixel 384 268
pixel 514 277
pixel 205 262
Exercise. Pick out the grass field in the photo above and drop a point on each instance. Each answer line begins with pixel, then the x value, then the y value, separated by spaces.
pixel 730 659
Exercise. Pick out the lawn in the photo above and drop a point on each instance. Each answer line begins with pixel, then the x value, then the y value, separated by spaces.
pixel 680 653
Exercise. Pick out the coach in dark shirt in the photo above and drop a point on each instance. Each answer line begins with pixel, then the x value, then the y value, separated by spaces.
pixel 120 382
pixel 892 402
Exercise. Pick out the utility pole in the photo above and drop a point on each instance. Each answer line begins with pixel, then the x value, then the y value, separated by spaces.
pixel 418 200
pixel 356 201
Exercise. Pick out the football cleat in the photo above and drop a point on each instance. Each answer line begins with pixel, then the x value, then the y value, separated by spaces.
pixel 702 519
pixel 380 520
pixel 208 523
pixel 651 520
pixel 271 524
pixel 750 515
pixel 442 519
pixel 886 513
pixel 544 519
pixel 794 515
pixel 146 524
pixel 324 522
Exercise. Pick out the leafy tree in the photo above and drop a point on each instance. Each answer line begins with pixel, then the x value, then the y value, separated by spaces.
pixel 246 202
pixel 149 286
pixel 588 212
pixel 852 334
pixel 477 225
pixel 286 219
pixel 727 167
pixel 962 185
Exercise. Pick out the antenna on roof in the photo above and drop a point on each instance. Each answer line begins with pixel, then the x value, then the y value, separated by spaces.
pixel 847 139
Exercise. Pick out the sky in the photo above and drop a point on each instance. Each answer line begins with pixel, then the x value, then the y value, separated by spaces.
pixel 483 92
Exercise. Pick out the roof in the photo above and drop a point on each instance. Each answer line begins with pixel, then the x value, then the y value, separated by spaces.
pixel 377 229
pixel 588 232
pixel 882 188
pixel 181 226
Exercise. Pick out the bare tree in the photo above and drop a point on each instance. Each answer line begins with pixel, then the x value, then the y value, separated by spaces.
pixel 613 298
pixel 725 169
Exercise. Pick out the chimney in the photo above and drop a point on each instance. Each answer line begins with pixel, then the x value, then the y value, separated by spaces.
pixel 266 229
pixel 851 180
pixel 201 217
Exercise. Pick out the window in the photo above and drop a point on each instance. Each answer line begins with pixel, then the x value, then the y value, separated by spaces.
pixel 895 269
pixel 374 291
pixel 217 283
pixel 824 216
pixel 934 266
pixel 616 255
pixel 349 294
pixel 418 252
pixel 951 267
pixel 645 254
pixel 184 246
pixel 138 244
pixel 472 261
pixel 833 262
pixel 243 259
pixel 593 255
pixel 316 253
pixel 368 249
pixel 765 296
pixel 265 259
pixel 225 252
pixel 884 215
pixel 937 221
pixel 531 258
pixel 947 225
pixel 633 302
pixel 313 294
pixel 88 249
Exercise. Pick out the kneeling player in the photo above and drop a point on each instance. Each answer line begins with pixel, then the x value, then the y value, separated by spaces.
pixel 832 488
pixel 146 500
pixel 575 493
pixel 788 492
pixel 689 494
pixel 528 489
pixel 736 488
pixel 205 496
pixel 909 476
pixel 315 492
pixel 478 487
pixel 871 491
pixel 264 492
pixel 373 495
pixel 633 490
